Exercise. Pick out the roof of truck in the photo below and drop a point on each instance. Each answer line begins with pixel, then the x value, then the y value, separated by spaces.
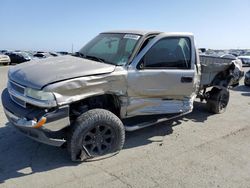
pixel 138 32
pixel 145 32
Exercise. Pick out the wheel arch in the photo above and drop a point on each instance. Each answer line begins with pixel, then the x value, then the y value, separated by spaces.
pixel 108 101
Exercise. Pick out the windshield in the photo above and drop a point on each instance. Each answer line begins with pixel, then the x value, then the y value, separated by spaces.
pixel 111 48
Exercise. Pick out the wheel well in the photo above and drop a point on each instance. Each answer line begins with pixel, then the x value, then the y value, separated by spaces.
pixel 108 102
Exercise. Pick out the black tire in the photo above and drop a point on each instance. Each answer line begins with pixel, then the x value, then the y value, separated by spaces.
pixel 96 134
pixel 218 100
pixel 246 84
pixel 5 64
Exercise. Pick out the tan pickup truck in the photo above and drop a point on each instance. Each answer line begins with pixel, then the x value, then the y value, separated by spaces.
pixel 119 81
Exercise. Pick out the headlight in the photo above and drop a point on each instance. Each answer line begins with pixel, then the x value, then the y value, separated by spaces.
pixel 40 95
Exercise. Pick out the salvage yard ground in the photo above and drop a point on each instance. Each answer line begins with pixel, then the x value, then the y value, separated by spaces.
pixel 197 150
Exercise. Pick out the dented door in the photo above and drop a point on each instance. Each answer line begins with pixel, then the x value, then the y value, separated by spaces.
pixel 162 78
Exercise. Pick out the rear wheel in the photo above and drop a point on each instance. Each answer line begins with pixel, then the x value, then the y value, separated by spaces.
pixel 218 100
pixel 96 134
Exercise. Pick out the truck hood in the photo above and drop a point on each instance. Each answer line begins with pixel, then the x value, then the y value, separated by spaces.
pixel 38 73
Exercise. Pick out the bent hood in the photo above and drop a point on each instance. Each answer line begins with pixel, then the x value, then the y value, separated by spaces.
pixel 36 74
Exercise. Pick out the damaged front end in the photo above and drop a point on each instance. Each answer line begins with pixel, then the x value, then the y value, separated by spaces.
pixel 40 124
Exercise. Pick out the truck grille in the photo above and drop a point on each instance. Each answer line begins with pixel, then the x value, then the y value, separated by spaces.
pixel 18 89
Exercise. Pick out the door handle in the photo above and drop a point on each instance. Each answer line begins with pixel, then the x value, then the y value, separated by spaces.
pixel 186 79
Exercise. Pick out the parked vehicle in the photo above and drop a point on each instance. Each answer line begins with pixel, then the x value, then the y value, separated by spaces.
pixel 18 57
pixel 230 56
pixel 247 78
pixel 54 54
pixel 63 53
pixel 42 55
pixel 4 59
pixel 3 51
pixel 245 60
pixel 88 102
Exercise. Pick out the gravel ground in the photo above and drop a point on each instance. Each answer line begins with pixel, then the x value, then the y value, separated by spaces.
pixel 197 150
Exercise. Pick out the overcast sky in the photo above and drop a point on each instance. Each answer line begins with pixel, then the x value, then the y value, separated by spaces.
pixel 57 24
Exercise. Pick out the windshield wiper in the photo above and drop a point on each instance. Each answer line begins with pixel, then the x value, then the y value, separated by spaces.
pixel 78 54
pixel 97 59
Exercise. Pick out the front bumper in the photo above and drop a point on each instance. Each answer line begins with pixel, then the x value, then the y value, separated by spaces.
pixel 24 119
pixel 2 61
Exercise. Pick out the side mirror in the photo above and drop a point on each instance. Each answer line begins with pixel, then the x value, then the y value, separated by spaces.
pixel 141 64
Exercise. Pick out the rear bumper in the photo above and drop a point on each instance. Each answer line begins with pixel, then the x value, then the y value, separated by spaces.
pixel 24 120
pixel 4 62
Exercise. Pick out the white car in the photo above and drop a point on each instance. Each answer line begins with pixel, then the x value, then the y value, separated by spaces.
pixel 4 59
pixel 245 59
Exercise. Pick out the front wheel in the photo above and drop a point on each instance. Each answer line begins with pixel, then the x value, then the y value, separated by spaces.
pixel 95 134
pixel 218 100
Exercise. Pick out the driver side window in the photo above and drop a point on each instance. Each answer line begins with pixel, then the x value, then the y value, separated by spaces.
pixel 171 53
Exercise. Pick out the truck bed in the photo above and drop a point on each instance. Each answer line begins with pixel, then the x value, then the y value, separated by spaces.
pixel 212 66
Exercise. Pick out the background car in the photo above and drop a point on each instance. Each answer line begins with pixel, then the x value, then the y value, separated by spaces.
pixel 18 57
pixel 4 59
pixel 54 54
pixel 229 56
pixel 63 53
pixel 42 55
pixel 3 51
pixel 245 59
pixel 247 78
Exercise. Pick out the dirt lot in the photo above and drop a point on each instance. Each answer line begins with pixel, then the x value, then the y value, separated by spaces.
pixel 198 150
